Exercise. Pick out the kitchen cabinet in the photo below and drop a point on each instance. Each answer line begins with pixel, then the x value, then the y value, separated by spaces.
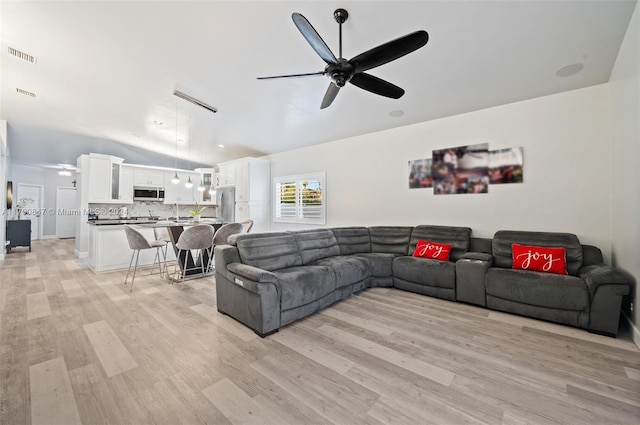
pixel 149 178
pixel 226 174
pixel 259 213
pixel 179 193
pixel 104 179
pixel 126 185
pixel 109 248
pixel 252 181
pixel 208 175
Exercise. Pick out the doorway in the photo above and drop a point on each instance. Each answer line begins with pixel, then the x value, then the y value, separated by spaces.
pixel 66 212
pixel 30 198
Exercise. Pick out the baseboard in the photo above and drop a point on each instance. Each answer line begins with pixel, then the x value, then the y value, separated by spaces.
pixel 80 255
pixel 49 237
pixel 635 332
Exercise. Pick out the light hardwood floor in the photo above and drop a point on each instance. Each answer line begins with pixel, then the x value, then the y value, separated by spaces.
pixel 79 348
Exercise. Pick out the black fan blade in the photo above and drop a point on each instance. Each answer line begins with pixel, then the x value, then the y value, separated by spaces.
pixel 376 85
pixel 309 74
pixel 330 95
pixel 313 38
pixel 390 51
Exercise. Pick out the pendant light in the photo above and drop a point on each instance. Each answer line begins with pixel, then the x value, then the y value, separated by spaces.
pixel 175 179
pixel 189 183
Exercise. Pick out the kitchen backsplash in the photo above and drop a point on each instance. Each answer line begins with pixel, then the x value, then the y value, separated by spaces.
pixel 146 209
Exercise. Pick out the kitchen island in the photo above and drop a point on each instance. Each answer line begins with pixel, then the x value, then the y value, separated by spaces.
pixel 109 248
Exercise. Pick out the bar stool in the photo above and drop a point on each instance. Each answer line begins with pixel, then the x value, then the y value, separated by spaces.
pixel 197 238
pixel 162 234
pixel 246 225
pixel 137 242
pixel 221 237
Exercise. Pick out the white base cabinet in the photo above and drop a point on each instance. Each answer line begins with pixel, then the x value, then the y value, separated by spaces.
pixel 109 249
pixel 259 213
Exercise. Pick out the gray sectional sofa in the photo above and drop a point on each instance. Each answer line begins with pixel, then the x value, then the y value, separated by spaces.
pixel 267 280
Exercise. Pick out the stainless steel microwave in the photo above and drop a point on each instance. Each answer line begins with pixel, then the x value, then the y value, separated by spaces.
pixel 148 193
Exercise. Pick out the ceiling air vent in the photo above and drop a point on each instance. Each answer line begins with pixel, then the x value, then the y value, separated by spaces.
pixel 194 101
pixel 26 93
pixel 21 55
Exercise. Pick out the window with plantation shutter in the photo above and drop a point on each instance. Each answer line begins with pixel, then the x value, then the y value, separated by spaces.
pixel 300 199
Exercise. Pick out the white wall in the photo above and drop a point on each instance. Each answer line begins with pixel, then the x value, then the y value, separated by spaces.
pixel 567 170
pixel 625 141
pixel 3 183
pixel 50 180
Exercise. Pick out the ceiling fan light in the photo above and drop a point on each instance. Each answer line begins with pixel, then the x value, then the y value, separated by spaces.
pixel 175 179
pixel 189 183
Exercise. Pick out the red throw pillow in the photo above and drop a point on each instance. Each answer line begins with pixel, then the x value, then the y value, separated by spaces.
pixel 539 258
pixel 437 251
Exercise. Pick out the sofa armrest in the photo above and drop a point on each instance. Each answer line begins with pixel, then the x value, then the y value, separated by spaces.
pixel 252 278
pixel 601 274
pixel 480 256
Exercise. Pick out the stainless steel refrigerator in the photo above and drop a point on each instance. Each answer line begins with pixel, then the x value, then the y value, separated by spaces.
pixel 226 202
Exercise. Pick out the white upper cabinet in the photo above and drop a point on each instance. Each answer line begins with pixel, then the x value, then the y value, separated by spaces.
pixel 226 174
pixel 153 178
pixel 126 184
pixel 252 180
pixel 104 179
pixel 179 193
pixel 207 176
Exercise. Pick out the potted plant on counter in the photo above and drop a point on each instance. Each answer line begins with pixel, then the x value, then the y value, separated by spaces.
pixel 196 213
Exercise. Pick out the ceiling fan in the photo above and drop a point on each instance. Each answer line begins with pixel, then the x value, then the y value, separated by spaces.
pixel 342 71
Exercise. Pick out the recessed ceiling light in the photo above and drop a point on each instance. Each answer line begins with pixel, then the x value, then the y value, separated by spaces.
pixel 569 70
pixel 221 145
pixel 396 113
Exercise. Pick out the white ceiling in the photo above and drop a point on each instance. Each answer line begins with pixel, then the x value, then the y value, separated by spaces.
pixel 106 71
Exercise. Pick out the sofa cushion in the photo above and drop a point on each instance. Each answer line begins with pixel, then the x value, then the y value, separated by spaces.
pixel 425 271
pixel 352 240
pixel 348 269
pixel 315 244
pixel 269 251
pixel 433 250
pixel 538 289
pixel 457 236
pixel 539 258
pixel 503 239
pixel 390 239
pixel 380 263
pixel 304 284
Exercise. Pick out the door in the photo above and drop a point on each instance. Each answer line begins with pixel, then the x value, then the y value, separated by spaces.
pixel 30 199
pixel 66 212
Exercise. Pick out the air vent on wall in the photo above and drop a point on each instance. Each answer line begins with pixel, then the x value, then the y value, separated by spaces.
pixel 194 101
pixel 26 93
pixel 21 55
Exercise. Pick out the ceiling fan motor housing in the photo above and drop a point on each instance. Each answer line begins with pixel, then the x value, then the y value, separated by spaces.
pixel 340 72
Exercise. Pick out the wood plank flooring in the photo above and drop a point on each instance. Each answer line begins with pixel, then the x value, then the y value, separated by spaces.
pixel 78 347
